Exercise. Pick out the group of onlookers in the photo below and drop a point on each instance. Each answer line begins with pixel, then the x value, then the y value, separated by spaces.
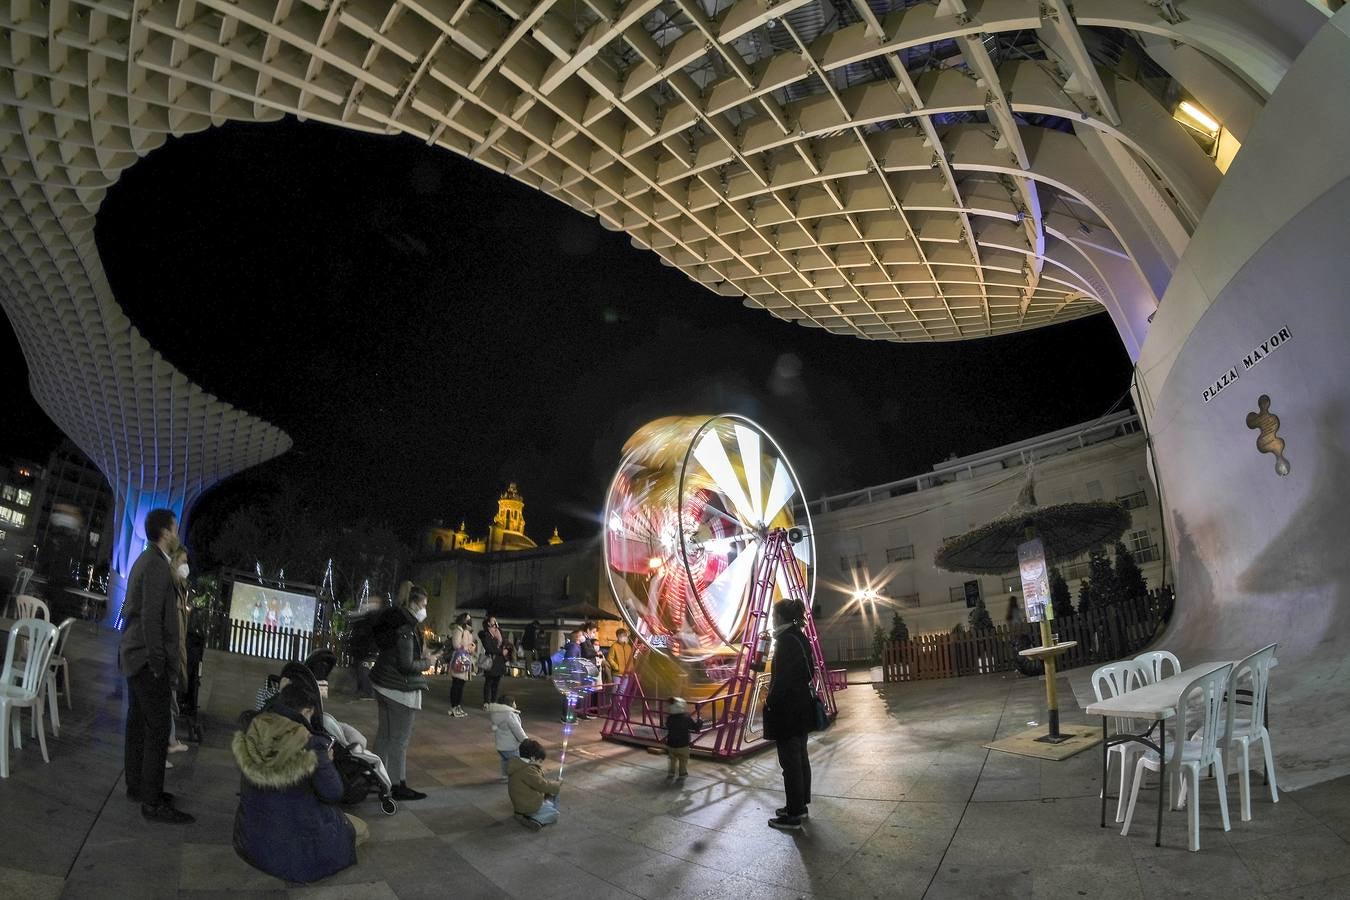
pixel 287 822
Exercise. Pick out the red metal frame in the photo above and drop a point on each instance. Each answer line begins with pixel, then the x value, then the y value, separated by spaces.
pixel 729 710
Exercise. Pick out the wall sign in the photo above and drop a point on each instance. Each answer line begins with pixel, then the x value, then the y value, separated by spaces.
pixel 1249 360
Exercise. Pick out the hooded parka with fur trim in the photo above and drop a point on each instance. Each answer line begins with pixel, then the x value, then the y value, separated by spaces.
pixel 288 823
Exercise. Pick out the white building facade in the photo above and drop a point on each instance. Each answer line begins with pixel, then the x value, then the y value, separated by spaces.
pixel 875 546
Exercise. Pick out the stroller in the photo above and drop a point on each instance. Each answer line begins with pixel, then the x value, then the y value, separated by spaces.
pixel 361 771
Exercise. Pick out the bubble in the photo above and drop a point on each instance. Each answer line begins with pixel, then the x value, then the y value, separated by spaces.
pixel 575 676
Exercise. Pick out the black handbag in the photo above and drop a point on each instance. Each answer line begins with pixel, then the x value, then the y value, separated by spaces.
pixel 822 716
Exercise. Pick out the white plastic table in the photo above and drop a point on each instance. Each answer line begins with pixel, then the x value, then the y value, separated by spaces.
pixel 1157 702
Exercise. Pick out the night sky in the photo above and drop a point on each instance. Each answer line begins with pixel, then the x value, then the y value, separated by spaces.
pixel 427 330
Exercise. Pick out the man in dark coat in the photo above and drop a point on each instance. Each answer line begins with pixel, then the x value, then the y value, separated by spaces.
pixel 288 823
pixel 790 711
pixel 149 659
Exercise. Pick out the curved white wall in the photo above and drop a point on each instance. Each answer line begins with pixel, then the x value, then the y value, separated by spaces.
pixel 1261 557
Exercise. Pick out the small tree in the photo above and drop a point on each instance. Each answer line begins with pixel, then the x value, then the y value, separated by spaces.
pixel 1061 601
pixel 1102 588
pixel 979 617
pixel 1084 596
pixel 1129 580
pixel 958 629
pixel 878 643
pixel 899 630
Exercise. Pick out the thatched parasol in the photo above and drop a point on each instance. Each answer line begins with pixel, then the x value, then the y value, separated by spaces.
pixel 1067 529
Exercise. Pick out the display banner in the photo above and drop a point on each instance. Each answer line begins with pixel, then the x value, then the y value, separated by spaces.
pixel 1035 580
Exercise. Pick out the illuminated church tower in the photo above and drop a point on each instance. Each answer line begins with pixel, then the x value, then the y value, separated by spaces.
pixel 507 531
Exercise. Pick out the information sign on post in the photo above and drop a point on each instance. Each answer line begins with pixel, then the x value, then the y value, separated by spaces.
pixel 1035 581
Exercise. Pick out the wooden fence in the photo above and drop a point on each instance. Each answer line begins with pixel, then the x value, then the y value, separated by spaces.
pixel 1115 631
pixel 251 639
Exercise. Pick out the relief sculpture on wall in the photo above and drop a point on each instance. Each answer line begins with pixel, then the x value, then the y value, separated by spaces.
pixel 1268 439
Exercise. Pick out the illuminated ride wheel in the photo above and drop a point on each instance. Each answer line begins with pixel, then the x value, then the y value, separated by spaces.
pixel 687 522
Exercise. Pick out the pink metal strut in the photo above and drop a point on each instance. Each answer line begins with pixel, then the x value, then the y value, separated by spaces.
pixel 729 711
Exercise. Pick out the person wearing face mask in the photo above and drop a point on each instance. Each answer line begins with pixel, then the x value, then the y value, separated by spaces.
pixel 399 684
pixel 179 561
pixel 463 646
pixel 619 659
pixel 491 642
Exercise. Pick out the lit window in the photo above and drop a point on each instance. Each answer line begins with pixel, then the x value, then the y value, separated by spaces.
pixel 8 493
pixel 1012 583
pixel 17 519
pixel 3 535
pixel 25 497
pixel 6 514
pixel 895 554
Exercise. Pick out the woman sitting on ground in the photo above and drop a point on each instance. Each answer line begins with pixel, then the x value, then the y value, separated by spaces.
pixel 287 823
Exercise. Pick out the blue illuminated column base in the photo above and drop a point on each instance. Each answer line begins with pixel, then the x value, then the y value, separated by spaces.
pixel 133 504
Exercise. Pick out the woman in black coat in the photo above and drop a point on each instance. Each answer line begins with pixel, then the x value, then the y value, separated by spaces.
pixel 399 683
pixel 790 711
pixel 490 639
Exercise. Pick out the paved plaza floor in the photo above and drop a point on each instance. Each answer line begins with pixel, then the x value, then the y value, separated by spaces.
pixel 907 803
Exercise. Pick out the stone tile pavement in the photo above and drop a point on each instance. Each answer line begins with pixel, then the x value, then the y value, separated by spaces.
pixel 907 803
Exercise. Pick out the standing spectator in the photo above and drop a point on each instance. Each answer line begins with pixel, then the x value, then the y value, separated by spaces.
pixel 679 725
pixel 179 562
pixel 506 730
pixel 361 643
pixel 790 712
pixel 572 649
pixel 494 655
pixel 535 644
pixel 590 644
pixel 1014 616
pixel 288 823
pixel 462 648
pixel 533 797
pixel 399 683
pixel 149 658
pixel 619 660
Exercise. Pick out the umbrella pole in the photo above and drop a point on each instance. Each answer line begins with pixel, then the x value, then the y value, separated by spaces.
pixel 1051 690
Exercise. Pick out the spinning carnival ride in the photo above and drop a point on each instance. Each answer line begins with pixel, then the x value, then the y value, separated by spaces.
pixel 700 540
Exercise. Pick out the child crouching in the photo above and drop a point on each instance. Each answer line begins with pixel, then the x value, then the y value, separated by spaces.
pixel 533 797
pixel 507 730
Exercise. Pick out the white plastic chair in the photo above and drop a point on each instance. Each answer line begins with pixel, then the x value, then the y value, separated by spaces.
pixel 1188 758
pixel 21 579
pixel 1246 724
pixel 59 666
pixel 31 607
pixel 20 688
pixel 1152 663
pixel 1112 681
